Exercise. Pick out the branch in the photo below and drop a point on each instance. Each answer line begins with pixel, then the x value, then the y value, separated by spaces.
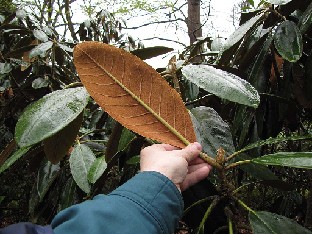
pixel 163 39
pixel 68 18
pixel 156 22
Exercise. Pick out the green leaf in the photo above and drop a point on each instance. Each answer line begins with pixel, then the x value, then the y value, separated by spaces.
pixel 11 160
pixel 2 198
pixel 150 52
pixel 305 20
pixel 5 68
pixel 97 169
pixel 257 171
pixel 65 47
pixel 273 141
pixel 240 32
pixel 46 175
pixel 254 76
pixel 40 83
pixel 288 41
pixel 40 49
pixel 49 115
pixel 80 162
pixel 288 159
pixel 278 2
pixel 270 223
pixel 133 160
pixel 68 195
pixel 125 139
pixel 211 131
pixel 57 146
pixel 222 84
pixel 40 35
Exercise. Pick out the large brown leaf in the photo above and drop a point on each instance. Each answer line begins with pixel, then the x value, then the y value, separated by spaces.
pixel 133 93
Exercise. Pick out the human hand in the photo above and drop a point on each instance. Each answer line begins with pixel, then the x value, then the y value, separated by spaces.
pixel 182 166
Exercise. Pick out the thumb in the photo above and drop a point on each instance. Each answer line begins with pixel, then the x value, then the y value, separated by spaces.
pixel 191 151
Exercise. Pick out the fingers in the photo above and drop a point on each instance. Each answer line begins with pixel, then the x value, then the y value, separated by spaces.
pixel 191 151
pixel 196 167
pixel 196 176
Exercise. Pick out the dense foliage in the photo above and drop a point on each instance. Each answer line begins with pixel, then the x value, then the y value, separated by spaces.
pixel 250 105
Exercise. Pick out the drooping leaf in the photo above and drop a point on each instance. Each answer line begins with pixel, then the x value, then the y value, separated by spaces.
pixel 68 195
pixel 305 20
pixel 256 71
pixel 40 35
pixel 80 162
pixel 41 49
pixel 133 160
pixel 211 131
pixel 240 32
pixel 11 160
pixel 49 115
pixel 46 175
pixel 278 2
pixel 133 93
pixel 126 137
pixel 270 223
pixel 258 171
pixel 222 84
pixel 56 146
pixel 40 83
pixel 65 47
pixel 288 159
pixel 150 52
pixel 273 141
pixel 97 169
pixel 288 41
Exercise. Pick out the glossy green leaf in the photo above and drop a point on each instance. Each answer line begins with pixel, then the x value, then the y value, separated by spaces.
pixel 288 159
pixel 97 169
pixel 40 83
pixel 68 195
pixel 49 115
pixel 222 84
pixel 80 161
pixel 211 131
pixel 240 32
pixel 58 145
pixel 273 141
pixel 260 172
pixel 150 52
pixel 40 35
pixel 288 41
pixel 278 2
pixel 270 223
pixel 125 139
pixel 305 20
pixel 41 49
pixel 11 160
pixel 256 71
pixel 46 175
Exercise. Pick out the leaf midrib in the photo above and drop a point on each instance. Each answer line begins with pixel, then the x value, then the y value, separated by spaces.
pixel 149 109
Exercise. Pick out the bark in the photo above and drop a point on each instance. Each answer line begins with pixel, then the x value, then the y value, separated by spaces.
pixel 193 21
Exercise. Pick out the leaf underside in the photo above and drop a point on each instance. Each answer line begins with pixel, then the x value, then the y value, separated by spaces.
pixel 133 93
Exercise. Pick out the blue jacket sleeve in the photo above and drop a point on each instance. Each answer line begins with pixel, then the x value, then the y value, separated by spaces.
pixel 147 203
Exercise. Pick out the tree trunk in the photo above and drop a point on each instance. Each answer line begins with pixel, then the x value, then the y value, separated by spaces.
pixel 193 21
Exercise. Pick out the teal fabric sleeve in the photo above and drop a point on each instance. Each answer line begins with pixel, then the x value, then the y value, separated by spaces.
pixel 147 203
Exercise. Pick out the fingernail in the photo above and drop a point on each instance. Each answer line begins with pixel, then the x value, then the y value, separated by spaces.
pixel 198 146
